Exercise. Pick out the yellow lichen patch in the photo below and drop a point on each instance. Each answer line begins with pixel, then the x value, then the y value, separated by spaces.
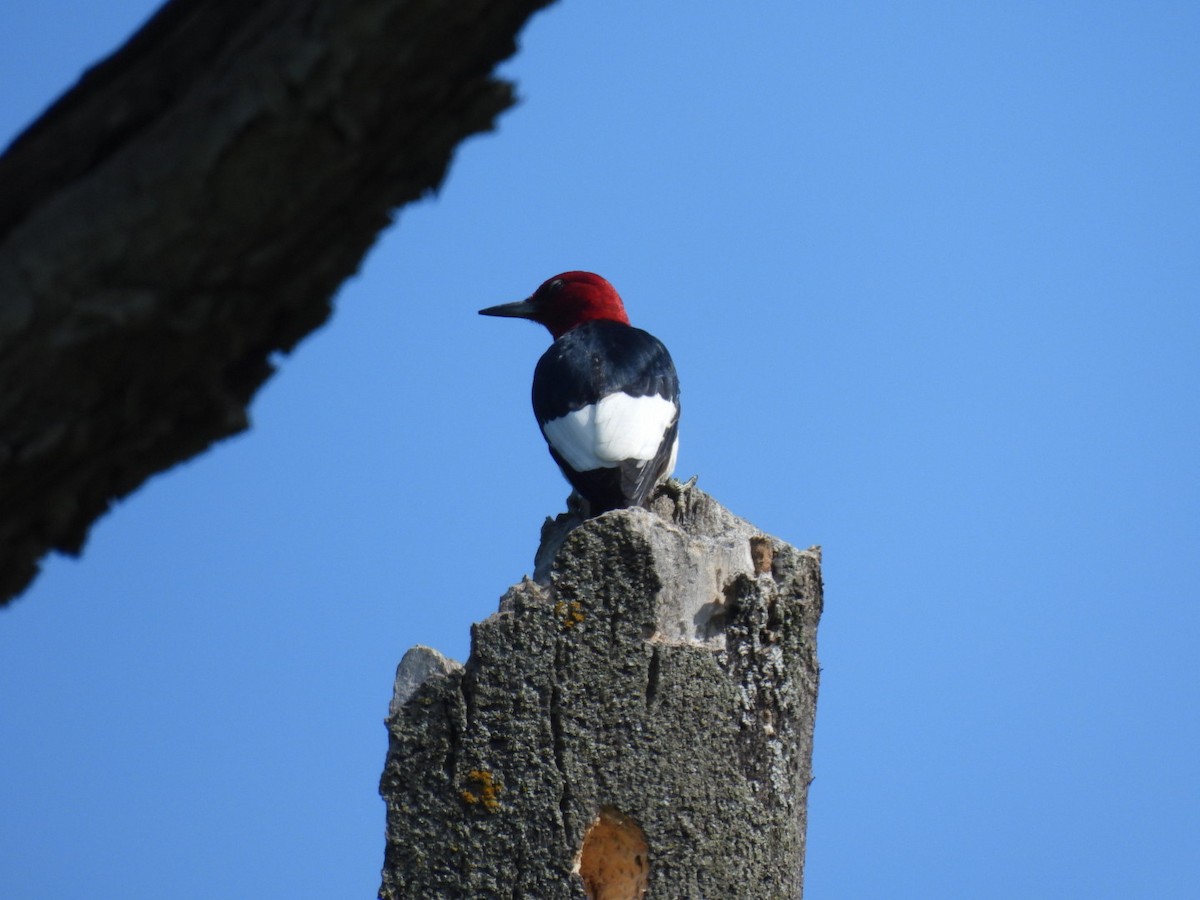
pixel 486 793
pixel 571 613
pixel 614 861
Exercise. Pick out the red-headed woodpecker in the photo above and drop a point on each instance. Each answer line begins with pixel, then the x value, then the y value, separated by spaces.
pixel 605 394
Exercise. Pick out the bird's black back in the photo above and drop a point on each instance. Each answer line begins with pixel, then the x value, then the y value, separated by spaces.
pixel 594 360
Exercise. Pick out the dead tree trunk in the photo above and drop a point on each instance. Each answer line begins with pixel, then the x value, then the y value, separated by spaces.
pixel 639 725
pixel 189 209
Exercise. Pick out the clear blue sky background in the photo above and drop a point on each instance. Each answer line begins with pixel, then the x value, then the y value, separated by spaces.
pixel 931 276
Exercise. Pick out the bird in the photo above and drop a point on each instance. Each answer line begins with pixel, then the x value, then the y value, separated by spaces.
pixel 605 394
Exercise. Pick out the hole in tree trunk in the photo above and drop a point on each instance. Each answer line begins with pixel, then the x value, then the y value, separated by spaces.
pixel 614 860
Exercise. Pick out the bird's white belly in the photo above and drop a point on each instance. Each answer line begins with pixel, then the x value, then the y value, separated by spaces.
pixel 605 434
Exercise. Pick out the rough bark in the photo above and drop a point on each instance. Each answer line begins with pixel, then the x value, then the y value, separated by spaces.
pixel 189 209
pixel 639 724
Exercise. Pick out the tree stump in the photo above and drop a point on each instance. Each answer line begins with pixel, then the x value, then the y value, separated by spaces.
pixel 637 724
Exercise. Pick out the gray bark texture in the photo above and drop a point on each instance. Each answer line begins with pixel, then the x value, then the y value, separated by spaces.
pixel 637 724
pixel 189 208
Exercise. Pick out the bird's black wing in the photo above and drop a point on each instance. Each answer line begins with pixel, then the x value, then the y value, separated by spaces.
pixel 638 480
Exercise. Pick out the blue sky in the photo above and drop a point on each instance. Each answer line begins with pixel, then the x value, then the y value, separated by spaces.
pixel 930 274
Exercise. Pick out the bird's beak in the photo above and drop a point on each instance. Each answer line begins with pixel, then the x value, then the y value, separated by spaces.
pixel 522 309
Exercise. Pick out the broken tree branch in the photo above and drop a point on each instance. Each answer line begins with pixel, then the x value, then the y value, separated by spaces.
pixel 189 209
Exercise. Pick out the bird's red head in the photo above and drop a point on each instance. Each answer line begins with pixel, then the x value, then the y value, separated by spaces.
pixel 565 301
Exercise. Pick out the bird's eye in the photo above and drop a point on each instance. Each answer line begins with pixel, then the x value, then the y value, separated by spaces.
pixel 555 286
